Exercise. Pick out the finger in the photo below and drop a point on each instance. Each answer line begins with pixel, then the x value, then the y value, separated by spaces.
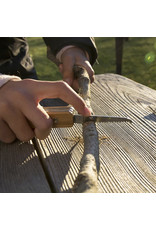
pixel 75 85
pixel 38 117
pixel 60 68
pixel 67 70
pixel 68 75
pixel 72 82
pixel 59 89
pixel 6 134
pixel 86 65
pixel 42 122
pixel 89 69
pixel 19 125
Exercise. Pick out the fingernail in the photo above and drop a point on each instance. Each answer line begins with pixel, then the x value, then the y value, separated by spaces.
pixel 87 112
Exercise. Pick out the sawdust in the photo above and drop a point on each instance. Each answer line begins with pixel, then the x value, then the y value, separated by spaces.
pixel 74 139
pixel 79 139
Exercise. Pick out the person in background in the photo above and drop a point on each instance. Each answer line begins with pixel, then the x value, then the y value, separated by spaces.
pixel 21 91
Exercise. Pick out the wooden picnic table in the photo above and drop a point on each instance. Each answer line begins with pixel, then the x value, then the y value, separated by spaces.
pixel 127 150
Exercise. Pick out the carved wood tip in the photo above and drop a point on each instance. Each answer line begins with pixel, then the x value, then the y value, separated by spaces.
pixel 79 71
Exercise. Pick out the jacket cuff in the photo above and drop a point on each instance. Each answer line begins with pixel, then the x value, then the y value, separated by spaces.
pixel 85 43
pixel 60 53
pixel 5 78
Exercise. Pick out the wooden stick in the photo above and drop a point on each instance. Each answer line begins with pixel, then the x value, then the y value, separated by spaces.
pixel 87 180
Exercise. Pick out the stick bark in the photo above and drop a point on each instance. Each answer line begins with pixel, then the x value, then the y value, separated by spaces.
pixel 87 179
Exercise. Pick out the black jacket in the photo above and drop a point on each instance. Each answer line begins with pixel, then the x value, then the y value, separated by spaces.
pixel 15 58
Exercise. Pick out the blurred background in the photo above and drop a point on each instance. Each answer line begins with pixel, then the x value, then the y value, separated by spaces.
pixel 133 57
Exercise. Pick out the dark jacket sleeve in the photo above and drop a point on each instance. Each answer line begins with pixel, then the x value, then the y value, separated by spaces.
pixel 85 43
pixel 15 58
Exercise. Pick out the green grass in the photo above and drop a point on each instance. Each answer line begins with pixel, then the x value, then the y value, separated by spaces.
pixel 46 70
pixel 134 64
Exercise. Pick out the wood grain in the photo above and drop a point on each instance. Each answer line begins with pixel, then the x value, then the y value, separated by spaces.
pixel 20 169
pixel 127 151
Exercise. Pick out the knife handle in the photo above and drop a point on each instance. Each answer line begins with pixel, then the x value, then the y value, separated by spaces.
pixel 62 116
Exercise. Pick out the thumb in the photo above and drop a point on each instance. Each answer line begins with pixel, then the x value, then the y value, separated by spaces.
pixel 66 69
pixel 67 74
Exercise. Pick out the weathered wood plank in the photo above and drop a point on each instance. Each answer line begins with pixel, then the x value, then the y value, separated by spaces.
pixel 127 151
pixel 20 169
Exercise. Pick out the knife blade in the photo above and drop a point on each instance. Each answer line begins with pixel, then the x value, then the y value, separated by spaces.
pixel 80 119
pixel 63 116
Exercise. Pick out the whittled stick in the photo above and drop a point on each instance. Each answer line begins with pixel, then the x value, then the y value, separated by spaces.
pixel 87 179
